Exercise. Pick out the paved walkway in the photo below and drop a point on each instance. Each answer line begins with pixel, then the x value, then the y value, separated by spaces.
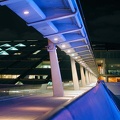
pixel 31 107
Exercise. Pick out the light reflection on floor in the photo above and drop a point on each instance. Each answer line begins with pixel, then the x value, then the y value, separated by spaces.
pixel 32 107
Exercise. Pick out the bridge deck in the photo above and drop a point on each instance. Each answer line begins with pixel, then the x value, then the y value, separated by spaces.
pixel 31 107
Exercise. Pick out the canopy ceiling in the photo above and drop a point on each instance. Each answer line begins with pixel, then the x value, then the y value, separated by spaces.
pixel 60 21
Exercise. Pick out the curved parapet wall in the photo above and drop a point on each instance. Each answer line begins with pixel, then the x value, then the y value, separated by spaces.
pixel 97 104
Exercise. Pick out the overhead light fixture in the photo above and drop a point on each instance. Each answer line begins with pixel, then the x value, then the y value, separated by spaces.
pixel 5 45
pixel 76 57
pixel 36 52
pixel 26 12
pixel 32 45
pixel 20 45
pixel 63 46
pixel 3 53
pixel 72 55
pixel 68 51
pixel 81 62
pixel 12 48
pixel 55 39
pixel 17 53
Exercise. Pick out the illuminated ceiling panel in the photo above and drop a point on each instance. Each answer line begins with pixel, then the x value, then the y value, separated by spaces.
pixel 61 22
pixel 20 45
pixel 12 48
pixel 5 45
pixel 3 53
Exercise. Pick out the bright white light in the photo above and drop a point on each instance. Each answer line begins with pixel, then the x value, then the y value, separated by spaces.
pixel 55 39
pixel 26 12
pixel 36 52
pixel 68 51
pixel 63 46
pixel 45 66
pixel 76 57
pixel 32 45
pixel 81 62
pixel 20 45
pixel 3 53
pixel 72 55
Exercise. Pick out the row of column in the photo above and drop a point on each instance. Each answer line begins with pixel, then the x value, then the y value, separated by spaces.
pixel 86 78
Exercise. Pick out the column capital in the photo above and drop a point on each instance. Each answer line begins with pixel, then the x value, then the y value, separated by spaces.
pixel 51 46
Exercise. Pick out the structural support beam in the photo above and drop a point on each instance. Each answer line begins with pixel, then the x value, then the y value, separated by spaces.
pixel 94 79
pixel 82 76
pixel 55 71
pixel 53 19
pixel 86 76
pixel 63 32
pixel 6 2
pixel 75 47
pixel 74 75
pixel 89 74
pixel 70 41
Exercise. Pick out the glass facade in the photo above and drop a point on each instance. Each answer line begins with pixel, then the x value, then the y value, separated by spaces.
pixel 108 65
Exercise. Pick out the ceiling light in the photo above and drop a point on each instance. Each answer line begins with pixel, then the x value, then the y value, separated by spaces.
pixel 26 12
pixel 81 62
pixel 20 45
pixel 3 53
pixel 68 51
pixel 12 48
pixel 32 45
pixel 72 55
pixel 17 53
pixel 5 45
pixel 63 46
pixel 55 39
pixel 36 52
pixel 76 57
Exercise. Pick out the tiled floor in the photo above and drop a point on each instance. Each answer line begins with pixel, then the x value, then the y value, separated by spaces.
pixel 31 107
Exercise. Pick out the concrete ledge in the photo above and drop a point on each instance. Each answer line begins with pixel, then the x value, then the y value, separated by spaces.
pixel 96 104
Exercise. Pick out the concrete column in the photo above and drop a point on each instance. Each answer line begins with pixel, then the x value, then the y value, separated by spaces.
pixel 86 76
pixel 95 78
pixel 91 77
pixel 74 75
pixel 82 76
pixel 55 71
pixel 90 80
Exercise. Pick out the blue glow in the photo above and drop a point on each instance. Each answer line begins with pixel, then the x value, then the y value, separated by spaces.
pixel 12 48
pixel 20 45
pixel 3 53
pixel 5 45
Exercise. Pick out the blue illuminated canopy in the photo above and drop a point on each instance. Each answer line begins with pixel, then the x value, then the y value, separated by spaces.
pixel 61 22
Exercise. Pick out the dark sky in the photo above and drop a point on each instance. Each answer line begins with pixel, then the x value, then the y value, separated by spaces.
pixel 102 19
pixel 12 27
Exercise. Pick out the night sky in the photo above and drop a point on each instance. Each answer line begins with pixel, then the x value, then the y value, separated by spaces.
pixel 102 19
pixel 12 27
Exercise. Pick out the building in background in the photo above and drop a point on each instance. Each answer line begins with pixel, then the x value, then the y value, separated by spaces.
pixel 108 61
